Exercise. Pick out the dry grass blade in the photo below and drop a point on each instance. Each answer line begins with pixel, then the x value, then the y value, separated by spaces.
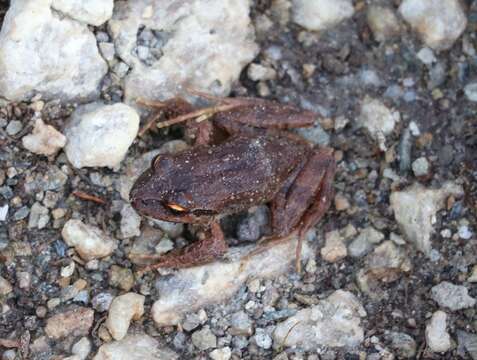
pixel 84 196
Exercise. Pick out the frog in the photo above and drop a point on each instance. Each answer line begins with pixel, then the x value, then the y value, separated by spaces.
pixel 245 154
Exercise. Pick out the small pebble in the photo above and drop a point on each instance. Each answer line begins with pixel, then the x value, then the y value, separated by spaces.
pixel 204 339
pixel 464 232
pixel 14 127
pixel 420 167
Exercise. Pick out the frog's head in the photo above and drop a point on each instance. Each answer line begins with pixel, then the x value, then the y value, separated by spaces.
pixel 164 192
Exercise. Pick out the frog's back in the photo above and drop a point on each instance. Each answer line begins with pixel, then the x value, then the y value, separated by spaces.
pixel 234 175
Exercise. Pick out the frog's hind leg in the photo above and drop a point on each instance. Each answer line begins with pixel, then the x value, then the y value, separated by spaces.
pixel 200 252
pixel 300 205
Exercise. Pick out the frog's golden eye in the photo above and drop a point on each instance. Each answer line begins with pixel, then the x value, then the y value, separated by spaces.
pixel 176 207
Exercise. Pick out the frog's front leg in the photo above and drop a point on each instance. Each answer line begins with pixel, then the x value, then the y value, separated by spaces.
pixel 305 197
pixel 203 251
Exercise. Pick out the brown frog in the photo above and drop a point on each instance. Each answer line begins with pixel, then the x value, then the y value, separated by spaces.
pixel 259 162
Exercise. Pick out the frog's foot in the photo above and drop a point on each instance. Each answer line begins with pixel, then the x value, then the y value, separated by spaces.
pixel 203 251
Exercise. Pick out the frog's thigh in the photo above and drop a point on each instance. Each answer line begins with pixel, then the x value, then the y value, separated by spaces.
pixel 301 203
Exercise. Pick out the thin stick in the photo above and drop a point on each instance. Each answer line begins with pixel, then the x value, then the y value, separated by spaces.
pixel 194 114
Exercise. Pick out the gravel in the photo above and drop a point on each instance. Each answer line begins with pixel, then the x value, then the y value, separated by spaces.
pixel 389 272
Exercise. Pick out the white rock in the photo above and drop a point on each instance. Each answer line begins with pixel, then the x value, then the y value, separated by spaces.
pixel 470 91
pixel 39 216
pixel 89 241
pixel 3 212
pixel 82 348
pixel 221 354
pixel 5 287
pixel 188 290
pixel 257 72
pixel 454 297
pixel 427 56
pixel 93 12
pixel 473 275
pixel 415 209
pixel 135 347
pixel 130 222
pixel 320 15
pixel 383 22
pixel 378 120
pixel 438 22
pixel 68 270
pixel 334 249
pixel 420 167
pixel 333 322
pixel 123 309
pixel 437 338
pixel 44 140
pixel 43 53
pixel 364 242
pixel 100 135
pixel 217 32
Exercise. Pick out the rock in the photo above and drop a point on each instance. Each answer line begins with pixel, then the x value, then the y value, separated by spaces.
pixel 102 301
pixel 384 265
pixel 93 12
pixel 257 72
pixel 82 348
pixel 383 22
pixel 262 339
pixel 364 242
pixel 254 226
pixel 427 57
pixel 39 216
pixel 453 297
pixel 334 249
pixel 187 290
pixel 470 91
pixel 437 338
pixel 135 347
pixel 75 322
pixel 164 246
pixel 3 212
pixel 204 339
pixel 404 345
pixel 44 140
pixel 420 167
pixel 41 52
pixel 14 126
pixel 89 241
pixel 5 287
pixel 120 277
pixel 178 30
pixel 221 354
pixel 333 322
pixel 439 23
pixel 123 309
pixel 130 222
pixel 321 15
pixel 464 232
pixel 191 322
pixel 467 342
pixel 240 324
pixel 473 276
pixel 378 120
pixel 100 135
pixel 415 209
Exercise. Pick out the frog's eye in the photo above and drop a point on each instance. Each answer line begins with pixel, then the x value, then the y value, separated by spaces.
pixel 176 208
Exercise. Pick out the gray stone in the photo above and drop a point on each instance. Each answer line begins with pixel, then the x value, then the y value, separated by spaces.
pixel 415 208
pixel 438 22
pixel 240 324
pixel 437 338
pixel 134 347
pixel 333 322
pixel 320 15
pixel 41 52
pixel 100 135
pixel 204 339
pixel 453 297
pixel 182 28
